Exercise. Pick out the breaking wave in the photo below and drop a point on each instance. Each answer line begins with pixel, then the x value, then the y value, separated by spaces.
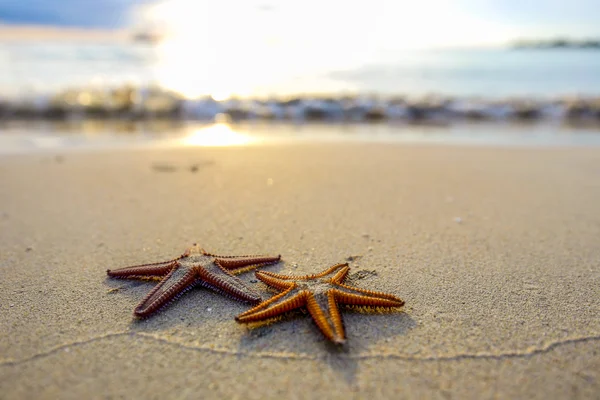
pixel 150 103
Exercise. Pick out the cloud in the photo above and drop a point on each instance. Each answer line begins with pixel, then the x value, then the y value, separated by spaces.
pixel 69 13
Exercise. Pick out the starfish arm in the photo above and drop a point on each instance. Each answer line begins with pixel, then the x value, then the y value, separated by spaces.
pixel 328 271
pixel 232 263
pixel 178 281
pixel 305 277
pixel 340 275
pixel 142 271
pixel 276 305
pixel 206 253
pixel 215 277
pixel 350 295
pixel 277 276
pixel 273 281
pixel 327 317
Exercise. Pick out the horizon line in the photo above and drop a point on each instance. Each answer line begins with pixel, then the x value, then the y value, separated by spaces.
pixel 28 32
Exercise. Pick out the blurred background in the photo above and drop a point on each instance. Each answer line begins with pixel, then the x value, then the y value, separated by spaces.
pixel 431 62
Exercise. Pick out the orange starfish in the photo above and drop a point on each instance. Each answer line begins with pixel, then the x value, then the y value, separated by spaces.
pixel 194 267
pixel 320 294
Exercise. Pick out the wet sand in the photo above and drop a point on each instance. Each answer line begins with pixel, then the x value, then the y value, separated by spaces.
pixel 495 252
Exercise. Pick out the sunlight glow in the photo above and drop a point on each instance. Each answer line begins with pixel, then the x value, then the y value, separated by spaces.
pixel 217 135
pixel 242 47
pixel 214 48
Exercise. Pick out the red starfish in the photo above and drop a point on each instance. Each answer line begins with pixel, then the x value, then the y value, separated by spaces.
pixel 320 294
pixel 194 267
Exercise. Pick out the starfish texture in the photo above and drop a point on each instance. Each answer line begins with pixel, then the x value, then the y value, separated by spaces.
pixel 194 267
pixel 320 294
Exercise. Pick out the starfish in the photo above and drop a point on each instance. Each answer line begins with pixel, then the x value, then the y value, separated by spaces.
pixel 194 267
pixel 321 294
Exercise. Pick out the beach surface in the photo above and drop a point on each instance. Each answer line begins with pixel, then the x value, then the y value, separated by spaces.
pixel 495 251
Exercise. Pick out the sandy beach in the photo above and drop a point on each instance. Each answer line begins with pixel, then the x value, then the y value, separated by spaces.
pixel 494 250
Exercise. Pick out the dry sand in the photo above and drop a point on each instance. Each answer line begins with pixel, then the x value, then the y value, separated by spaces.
pixel 496 252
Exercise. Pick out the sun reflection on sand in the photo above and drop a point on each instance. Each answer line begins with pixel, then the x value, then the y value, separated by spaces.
pixel 219 134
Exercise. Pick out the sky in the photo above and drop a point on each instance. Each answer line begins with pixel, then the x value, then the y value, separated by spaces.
pixel 464 21
pixel 275 40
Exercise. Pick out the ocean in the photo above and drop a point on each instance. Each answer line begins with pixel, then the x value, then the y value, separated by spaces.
pixel 48 67
pixel 426 85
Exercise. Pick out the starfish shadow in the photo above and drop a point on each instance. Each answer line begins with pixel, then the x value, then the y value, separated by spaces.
pixel 297 335
pixel 191 315
pixel 190 309
pixel 339 360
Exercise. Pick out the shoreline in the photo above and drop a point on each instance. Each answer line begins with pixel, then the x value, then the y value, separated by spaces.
pixel 89 135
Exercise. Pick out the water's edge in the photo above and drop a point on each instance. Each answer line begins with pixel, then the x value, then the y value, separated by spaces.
pixel 87 135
